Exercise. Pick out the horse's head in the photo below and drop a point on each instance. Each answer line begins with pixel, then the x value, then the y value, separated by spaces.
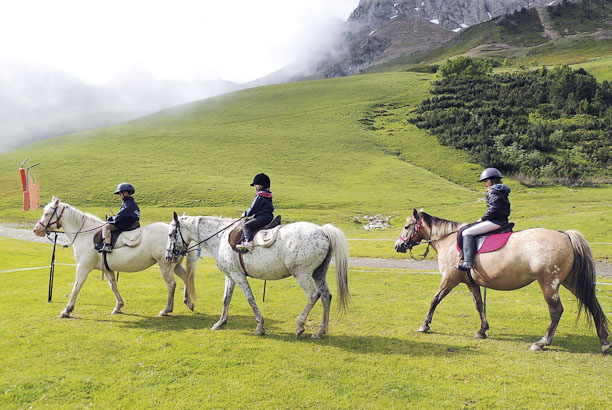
pixel 52 214
pixel 174 249
pixel 411 234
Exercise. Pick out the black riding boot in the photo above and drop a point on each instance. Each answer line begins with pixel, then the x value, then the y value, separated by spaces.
pixel 469 251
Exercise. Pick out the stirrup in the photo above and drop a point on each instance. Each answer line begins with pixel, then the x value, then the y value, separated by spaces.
pixel 107 248
pixel 464 266
pixel 245 246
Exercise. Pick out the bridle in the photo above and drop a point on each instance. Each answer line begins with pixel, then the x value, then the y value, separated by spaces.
pixel 415 239
pixel 56 222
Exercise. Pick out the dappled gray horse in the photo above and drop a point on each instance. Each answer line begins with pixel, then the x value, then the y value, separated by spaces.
pixel 302 250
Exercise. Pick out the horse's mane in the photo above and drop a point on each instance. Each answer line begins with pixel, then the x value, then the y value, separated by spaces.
pixel 440 227
pixel 85 214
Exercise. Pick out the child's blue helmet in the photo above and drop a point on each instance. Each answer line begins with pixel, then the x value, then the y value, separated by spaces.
pixel 490 173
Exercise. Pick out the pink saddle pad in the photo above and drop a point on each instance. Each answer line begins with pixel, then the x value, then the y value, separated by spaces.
pixel 493 242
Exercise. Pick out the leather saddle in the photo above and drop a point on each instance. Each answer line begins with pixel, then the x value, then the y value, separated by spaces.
pixel 236 236
pixel 481 239
pixel 132 241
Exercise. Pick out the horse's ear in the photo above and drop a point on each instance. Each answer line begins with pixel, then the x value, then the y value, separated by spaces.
pixel 422 209
pixel 175 216
pixel 415 213
pixel 57 201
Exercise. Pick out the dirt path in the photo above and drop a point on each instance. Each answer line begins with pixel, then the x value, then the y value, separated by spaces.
pixel 14 231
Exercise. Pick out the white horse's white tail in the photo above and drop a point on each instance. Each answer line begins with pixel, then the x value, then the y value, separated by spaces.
pixel 339 246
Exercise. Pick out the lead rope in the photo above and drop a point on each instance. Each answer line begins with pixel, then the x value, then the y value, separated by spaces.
pixel 199 243
pixel 52 271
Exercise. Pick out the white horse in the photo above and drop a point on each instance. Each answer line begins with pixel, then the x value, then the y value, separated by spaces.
pixel 80 227
pixel 302 250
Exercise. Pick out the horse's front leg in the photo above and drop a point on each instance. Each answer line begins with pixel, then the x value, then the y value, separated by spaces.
pixel 188 280
pixel 242 281
pixel 81 276
pixel 167 269
pixel 110 277
pixel 447 284
pixel 551 295
pixel 227 298
pixel 484 324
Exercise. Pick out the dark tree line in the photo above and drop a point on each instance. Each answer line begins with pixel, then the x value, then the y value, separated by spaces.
pixel 550 125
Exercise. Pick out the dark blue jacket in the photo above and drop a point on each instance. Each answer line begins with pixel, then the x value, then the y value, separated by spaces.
pixel 262 207
pixel 128 214
pixel 498 204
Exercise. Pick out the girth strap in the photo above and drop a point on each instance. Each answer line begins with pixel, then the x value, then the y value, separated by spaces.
pixel 241 259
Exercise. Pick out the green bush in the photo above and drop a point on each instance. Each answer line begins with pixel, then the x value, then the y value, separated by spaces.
pixel 550 124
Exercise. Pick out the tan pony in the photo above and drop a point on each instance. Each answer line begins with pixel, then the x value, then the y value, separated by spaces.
pixel 551 258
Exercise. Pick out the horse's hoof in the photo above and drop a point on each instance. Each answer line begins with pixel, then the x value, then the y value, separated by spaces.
pixel 480 335
pixel 536 347
pixel 606 348
pixel 64 315
pixel 218 326
pixel 190 306
pixel 424 328
pixel 298 332
pixel 260 331
pixel 318 335
pixel 116 311
pixel 163 313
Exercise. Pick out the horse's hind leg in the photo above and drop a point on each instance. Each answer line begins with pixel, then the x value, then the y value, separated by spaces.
pixel 167 269
pixel 592 306
pixel 447 284
pixel 110 277
pixel 81 276
pixel 312 294
pixel 319 277
pixel 227 298
pixel 550 289
pixel 484 324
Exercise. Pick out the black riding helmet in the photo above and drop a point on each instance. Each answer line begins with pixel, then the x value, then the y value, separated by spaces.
pixel 125 186
pixel 261 179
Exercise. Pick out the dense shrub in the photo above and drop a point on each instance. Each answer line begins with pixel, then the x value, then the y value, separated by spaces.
pixel 549 124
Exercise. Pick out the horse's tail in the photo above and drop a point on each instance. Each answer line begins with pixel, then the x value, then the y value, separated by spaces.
pixel 192 263
pixel 582 279
pixel 339 246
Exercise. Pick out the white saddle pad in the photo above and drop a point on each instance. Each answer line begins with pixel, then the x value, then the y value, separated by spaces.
pixel 129 238
pixel 266 237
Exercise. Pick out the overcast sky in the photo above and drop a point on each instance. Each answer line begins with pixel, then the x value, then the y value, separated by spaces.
pixel 236 40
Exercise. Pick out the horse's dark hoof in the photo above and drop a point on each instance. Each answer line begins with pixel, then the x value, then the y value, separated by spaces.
pixel 606 348
pixel 480 335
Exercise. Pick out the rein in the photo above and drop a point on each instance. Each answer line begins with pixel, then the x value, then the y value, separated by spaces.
pixel 57 223
pixel 197 245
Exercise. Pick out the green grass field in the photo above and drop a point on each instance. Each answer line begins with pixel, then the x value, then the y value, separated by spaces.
pixel 372 358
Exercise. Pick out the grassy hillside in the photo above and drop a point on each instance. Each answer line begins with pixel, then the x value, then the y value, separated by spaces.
pixel 335 150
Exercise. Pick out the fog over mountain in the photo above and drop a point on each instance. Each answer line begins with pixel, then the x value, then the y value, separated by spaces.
pixel 39 102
